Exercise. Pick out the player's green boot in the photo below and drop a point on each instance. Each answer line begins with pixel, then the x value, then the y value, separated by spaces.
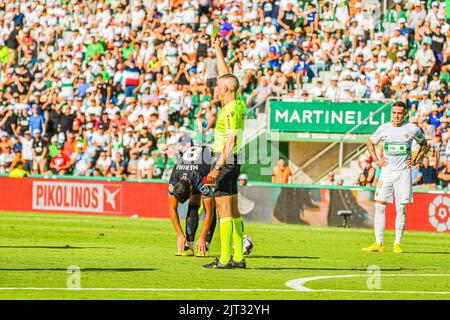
pixel 188 252
pixel 375 247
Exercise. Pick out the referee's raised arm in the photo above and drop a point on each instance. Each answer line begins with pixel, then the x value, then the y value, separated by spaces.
pixel 222 66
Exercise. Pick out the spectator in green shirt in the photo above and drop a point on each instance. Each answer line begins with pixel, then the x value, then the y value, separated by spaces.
pixel 126 50
pixel 94 50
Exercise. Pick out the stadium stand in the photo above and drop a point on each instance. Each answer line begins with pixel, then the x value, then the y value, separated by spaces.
pixel 116 88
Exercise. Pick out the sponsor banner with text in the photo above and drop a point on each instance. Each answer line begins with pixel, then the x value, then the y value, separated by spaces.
pixel 316 206
pixel 327 116
pixel 84 197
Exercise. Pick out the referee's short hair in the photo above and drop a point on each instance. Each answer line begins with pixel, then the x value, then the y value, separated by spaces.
pixel 231 81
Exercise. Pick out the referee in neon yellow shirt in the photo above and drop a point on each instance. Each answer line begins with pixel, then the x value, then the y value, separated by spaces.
pixel 226 167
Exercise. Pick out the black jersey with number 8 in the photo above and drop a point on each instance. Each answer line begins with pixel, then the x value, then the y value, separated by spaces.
pixel 194 164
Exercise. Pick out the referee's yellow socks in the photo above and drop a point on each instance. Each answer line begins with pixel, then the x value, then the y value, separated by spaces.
pixel 226 235
pixel 238 239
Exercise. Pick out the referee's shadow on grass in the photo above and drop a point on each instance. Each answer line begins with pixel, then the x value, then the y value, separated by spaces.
pixel 280 257
pixel 82 269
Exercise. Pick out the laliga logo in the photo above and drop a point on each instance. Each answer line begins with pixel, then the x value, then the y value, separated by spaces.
pixel 439 216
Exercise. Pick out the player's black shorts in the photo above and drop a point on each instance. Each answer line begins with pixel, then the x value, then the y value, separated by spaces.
pixel 228 178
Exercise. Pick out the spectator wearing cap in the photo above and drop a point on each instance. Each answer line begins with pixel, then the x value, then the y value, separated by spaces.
pixel 100 139
pixel 425 105
pixel 333 91
pixel 146 140
pixel 26 143
pixel 116 145
pixel 132 76
pixel 145 166
pixel 438 38
pixel 243 179
pixel 433 15
pixel 105 122
pixel 425 57
pixel 82 161
pixel 416 17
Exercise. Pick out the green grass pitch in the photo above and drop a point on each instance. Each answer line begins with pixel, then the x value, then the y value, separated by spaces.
pixel 117 254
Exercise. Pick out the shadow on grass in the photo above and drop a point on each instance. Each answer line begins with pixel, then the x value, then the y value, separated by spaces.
pixel 82 269
pixel 427 252
pixel 327 269
pixel 280 257
pixel 52 247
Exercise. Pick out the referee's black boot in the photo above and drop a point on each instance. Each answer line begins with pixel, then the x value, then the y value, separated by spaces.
pixel 238 265
pixel 217 265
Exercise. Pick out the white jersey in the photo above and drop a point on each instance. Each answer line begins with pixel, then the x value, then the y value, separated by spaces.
pixel 397 143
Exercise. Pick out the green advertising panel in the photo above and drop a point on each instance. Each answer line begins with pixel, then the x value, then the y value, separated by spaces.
pixel 327 117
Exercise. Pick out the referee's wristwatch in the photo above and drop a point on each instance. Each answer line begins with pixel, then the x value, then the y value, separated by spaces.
pixel 217 167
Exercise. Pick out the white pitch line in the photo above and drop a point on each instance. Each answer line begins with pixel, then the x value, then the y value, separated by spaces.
pixel 299 284
pixel 296 285
pixel 146 289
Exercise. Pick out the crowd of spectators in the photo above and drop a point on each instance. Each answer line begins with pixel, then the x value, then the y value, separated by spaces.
pixel 117 88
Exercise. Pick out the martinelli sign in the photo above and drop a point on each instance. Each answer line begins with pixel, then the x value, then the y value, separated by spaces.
pixel 329 117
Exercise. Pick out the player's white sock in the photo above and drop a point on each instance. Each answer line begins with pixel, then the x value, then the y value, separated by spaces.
pixel 400 222
pixel 190 244
pixel 207 246
pixel 380 222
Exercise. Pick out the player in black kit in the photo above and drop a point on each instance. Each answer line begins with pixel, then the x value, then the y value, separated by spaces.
pixel 188 182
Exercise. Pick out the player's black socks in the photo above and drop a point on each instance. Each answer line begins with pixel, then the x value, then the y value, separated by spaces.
pixel 191 221
pixel 212 227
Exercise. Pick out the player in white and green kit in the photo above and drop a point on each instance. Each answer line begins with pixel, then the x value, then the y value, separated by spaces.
pixel 395 179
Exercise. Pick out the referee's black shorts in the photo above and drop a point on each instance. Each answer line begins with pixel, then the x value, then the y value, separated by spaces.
pixel 227 181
